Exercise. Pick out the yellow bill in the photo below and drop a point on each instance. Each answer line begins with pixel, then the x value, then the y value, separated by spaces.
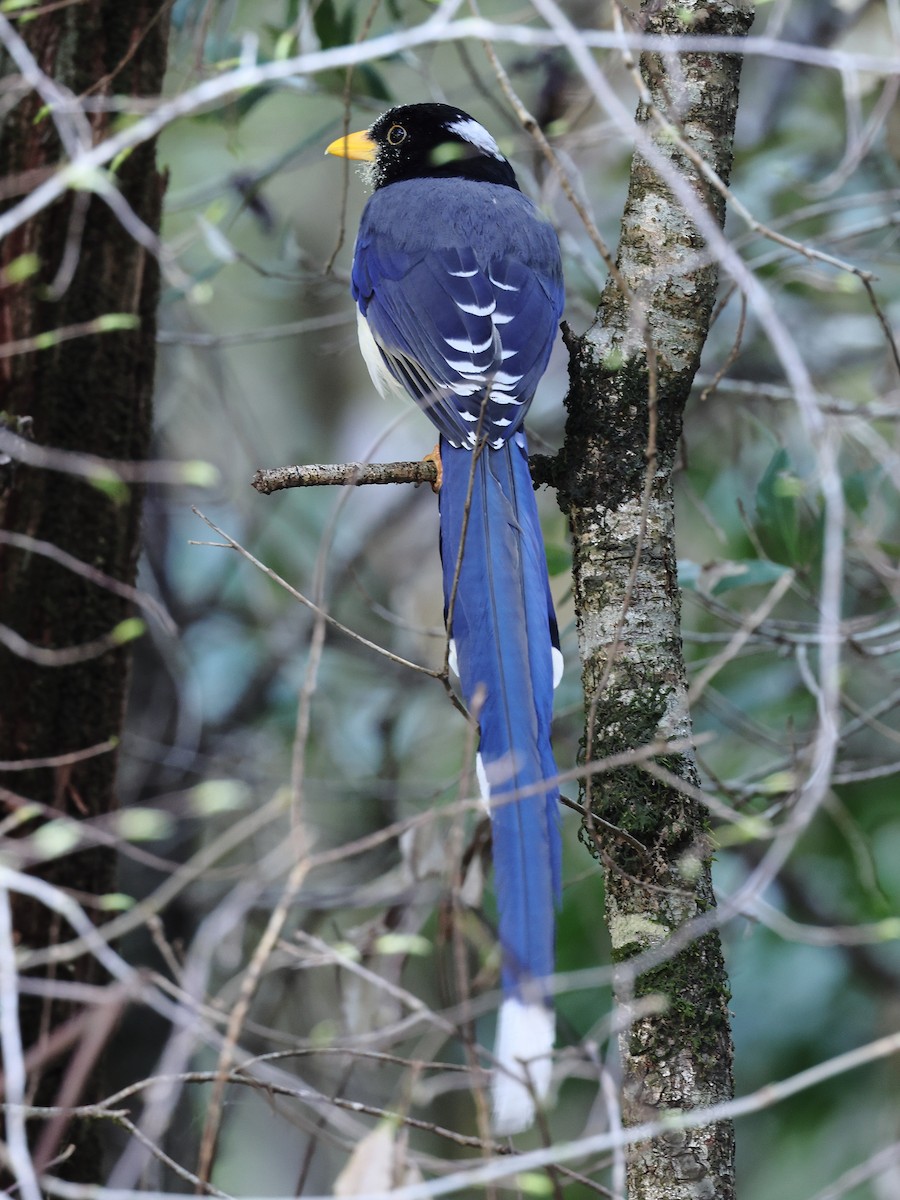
pixel 355 145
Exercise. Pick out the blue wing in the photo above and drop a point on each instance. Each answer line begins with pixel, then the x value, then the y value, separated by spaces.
pixel 465 317
pixel 460 291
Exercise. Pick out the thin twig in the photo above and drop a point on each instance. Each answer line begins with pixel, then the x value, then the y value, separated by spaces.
pixel 468 1179
pixel 13 1058
pixel 231 544
pixel 87 166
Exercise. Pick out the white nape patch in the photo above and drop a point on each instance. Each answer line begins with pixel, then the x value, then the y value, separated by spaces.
pixel 483 785
pixel 471 131
pixel 559 664
pixel 479 310
pixel 452 660
pixel 525 1034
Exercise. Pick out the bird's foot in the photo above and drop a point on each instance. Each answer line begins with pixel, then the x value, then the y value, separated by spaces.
pixel 435 457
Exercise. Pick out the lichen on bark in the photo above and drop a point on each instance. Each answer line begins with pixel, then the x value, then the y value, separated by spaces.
pixel 630 376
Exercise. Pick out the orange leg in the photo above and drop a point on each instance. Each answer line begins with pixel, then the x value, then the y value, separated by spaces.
pixel 435 457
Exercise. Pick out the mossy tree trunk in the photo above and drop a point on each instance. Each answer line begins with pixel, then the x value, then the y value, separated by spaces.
pixel 630 377
pixel 92 395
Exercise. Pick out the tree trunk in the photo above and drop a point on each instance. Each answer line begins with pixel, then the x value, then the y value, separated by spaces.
pixel 630 377
pixel 91 394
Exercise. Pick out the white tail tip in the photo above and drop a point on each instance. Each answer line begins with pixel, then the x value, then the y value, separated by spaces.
pixel 525 1036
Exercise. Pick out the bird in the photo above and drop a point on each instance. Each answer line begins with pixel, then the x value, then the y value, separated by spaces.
pixel 458 284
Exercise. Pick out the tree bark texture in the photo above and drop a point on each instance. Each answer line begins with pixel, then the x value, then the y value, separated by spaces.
pixel 92 394
pixel 630 377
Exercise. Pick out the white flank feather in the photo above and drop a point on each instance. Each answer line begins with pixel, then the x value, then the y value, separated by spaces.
pixel 483 786
pixel 525 1037
pixel 559 664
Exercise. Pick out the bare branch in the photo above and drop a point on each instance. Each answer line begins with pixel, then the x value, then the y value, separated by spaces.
pixel 497 1169
pixel 86 169
pixel 104 472
pixel 355 474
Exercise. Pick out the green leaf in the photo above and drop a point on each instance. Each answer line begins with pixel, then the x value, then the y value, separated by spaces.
pixel 857 487
pixel 88 179
pixel 559 559
pixel 779 783
pixel 115 902
pixel 776 509
pixel 248 100
pixel 332 28
pixel 112 322
pixel 22 815
pixel 403 943
pixel 197 473
pixel 218 796
pixel 325 1032
pixel 284 45
pixel 143 824
pixel 109 484
pixel 128 630
pixel 754 571
pixel 56 838
pixel 123 156
pixel 21 268
pixel 347 950
pixel 369 82
pixel 747 829
pixel 724 575
pixel 534 1183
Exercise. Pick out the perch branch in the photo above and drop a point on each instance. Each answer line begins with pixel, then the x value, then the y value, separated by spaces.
pixel 355 474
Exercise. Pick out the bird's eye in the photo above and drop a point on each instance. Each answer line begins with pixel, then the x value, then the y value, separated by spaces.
pixel 396 134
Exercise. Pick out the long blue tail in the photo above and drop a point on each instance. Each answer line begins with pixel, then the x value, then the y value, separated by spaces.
pixel 505 637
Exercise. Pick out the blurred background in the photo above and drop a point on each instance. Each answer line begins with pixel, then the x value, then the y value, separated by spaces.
pixel 259 367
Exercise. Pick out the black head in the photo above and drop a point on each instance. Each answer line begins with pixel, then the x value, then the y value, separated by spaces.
pixel 430 141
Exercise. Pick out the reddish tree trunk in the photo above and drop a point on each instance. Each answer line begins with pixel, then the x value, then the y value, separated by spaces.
pixel 92 395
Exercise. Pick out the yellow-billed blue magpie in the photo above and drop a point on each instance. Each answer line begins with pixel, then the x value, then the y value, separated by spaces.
pixel 458 283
